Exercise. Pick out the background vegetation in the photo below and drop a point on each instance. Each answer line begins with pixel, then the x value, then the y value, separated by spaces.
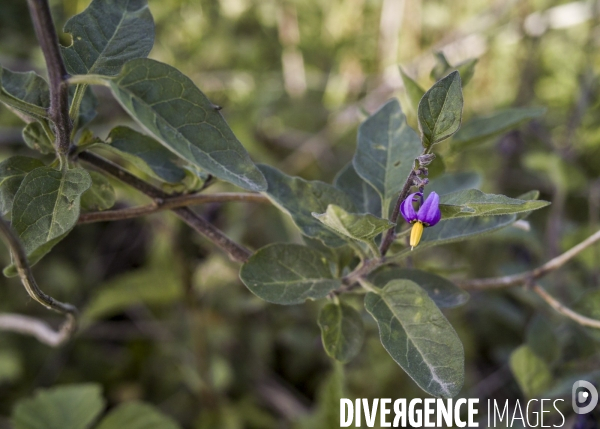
pixel 166 319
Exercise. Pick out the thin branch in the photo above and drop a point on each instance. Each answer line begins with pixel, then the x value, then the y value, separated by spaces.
pixel 388 239
pixel 565 311
pixel 529 276
pixel 57 72
pixel 24 270
pixel 37 328
pixel 170 203
pixel 236 252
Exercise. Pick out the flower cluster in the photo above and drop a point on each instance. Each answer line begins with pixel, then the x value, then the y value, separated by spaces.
pixel 428 214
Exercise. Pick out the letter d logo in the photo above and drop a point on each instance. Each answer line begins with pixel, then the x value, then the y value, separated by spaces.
pixel 580 397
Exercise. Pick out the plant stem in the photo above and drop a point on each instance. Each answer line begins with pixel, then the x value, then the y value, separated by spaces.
pixel 26 276
pixel 170 203
pixel 236 252
pixel 57 73
pixel 388 238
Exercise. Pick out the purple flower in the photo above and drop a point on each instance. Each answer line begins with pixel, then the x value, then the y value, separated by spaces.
pixel 428 214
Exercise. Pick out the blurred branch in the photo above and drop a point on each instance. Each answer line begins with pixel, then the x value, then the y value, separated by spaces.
pixel 529 276
pixel 565 311
pixel 236 252
pixel 57 72
pixel 28 325
pixel 170 203
pixel 37 328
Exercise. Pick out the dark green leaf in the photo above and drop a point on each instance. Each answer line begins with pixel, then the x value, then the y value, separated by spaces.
pixel 452 182
pixel 466 70
pixel 300 198
pixel 442 66
pixel 36 138
pixel 418 337
pixel 440 110
pixel 453 230
pixel 413 90
pixel 64 407
pixel 442 291
pixel 46 206
pixel 146 154
pixel 288 274
pixel 108 34
pixel 472 202
pixel 26 92
pixel 12 172
pixel 100 196
pixel 342 331
pixel 136 415
pixel 364 197
pixel 484 127
pixel 530 371
pixel 386 152
pixel 178 114
pixel 362 227
pixel 542 340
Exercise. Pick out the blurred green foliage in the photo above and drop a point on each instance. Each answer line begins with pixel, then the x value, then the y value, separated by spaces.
pixel 295 78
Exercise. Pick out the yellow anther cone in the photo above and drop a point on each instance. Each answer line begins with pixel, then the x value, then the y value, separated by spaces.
pixel 415 234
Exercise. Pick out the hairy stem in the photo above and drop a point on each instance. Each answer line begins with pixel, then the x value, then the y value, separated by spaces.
pixel 57 73
pixel 236 252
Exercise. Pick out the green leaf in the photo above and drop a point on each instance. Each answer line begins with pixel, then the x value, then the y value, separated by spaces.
pixel 46 206
pixel 466 69
pixel 88 106
pixel 36 138
pixel 288 274
pixel 443 292
pixel 342 331
pixel 542 340
pixel 108 34
pixel 178 114
pixel 452 182
pixel 418 337
pixel 413 90
pixel 472 202
pixel 442 66
pixel 11 366
pixel 386 152
pixel 153 286
pixel 484 127
pixel 26 92
pixel 137 415
pixel 530 371
pixel 100 196
pixel 301 198
pixel 460 229
pixel 440 110
pixel 63 407
pixel 362 227
pixel 12 172
pixel 364 197
pixel 146 154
